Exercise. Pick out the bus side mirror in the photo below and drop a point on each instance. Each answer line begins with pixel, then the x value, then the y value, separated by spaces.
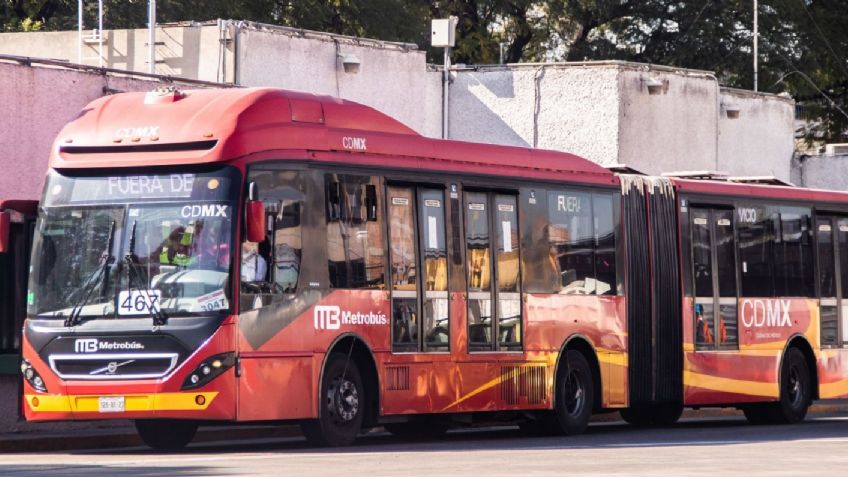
pixel 255 218
pixel 5 227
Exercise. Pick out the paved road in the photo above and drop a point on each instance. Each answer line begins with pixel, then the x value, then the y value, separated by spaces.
pixel 715 447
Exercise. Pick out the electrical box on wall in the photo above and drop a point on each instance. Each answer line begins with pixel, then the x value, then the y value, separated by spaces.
pixel 443 32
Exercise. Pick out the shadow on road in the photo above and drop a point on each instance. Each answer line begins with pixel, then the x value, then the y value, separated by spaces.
pixel 711 432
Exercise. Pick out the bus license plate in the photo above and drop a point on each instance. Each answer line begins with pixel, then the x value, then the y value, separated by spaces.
pixel 112 404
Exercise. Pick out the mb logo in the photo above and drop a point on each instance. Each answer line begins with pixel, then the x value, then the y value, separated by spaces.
pixel 327 317
pixel 85 345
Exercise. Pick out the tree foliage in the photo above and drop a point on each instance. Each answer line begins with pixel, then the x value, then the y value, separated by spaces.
pixel 803 43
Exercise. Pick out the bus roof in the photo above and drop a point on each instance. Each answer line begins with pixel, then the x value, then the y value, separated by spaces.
pixel 169 127
pixel 726 189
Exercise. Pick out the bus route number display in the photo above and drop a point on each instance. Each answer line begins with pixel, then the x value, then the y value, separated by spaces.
pixel 138 302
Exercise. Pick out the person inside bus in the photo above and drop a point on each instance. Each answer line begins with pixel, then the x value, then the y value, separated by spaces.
pixel 254 265
pixel 702 327
pixel 175 249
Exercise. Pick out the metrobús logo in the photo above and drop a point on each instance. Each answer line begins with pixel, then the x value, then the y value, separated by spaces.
pixel 93 345
pixel 331 317
pixel 758 313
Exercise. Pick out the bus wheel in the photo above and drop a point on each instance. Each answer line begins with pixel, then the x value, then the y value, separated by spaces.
pixel 341 404
pixel 795 389
pixel 574 393
pixel 166 434
pixel 796 393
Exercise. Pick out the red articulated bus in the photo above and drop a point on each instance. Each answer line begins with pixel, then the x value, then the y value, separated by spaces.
pixel 251 255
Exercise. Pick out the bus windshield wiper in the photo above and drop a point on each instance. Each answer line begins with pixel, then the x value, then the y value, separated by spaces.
pixel 100 274
pixel 131 262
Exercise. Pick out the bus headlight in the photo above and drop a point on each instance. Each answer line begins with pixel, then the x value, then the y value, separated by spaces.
pixel 209 369
pixel 32 377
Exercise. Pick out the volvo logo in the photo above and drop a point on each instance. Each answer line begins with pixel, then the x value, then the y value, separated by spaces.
pixel 112 367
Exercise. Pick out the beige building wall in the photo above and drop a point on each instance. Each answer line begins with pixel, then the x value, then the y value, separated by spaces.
pixel 392 77
pixel 599 110
pixel 761 139
pixel 35 103
pixel 605 112
pixel 190 51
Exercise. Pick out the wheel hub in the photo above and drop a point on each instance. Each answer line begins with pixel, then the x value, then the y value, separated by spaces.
pixel 575 394
pixel 794 387
pixel 343 399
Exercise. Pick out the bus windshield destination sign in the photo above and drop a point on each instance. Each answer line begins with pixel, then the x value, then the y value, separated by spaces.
pixel 172 186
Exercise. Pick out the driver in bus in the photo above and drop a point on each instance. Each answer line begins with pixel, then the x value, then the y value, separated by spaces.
pixel 176 249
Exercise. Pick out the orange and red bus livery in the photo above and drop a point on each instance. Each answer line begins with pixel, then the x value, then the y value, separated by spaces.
pixel 261 255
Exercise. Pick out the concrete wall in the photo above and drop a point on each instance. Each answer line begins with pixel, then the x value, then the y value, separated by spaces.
pixel 35 103
pixel 191 51
pixel 821 171
pixel 604 112
pixel 559 107
pixel 600 110
pixel 391 78
pixel 673 130
pixel 760 141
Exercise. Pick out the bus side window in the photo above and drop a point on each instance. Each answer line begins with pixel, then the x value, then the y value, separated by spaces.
pixel 271 268
pixel 354 232
pixel 288 246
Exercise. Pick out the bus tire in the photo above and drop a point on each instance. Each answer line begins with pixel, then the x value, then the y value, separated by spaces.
pixel 757 414
pixel 341 404
pixel 796 389
pixel 664 415
pixel 636 416
pixel 660 415
pixel 575 393
pixel 166 435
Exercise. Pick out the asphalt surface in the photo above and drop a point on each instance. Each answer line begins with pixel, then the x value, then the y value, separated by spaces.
pixel 717 446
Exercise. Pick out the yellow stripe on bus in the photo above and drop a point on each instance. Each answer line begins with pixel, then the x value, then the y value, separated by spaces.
pixel 838 389
pixel 484 387
pixel 728 385
pixel 132 402
pixel 613 358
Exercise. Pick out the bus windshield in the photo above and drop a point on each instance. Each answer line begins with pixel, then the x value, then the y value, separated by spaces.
pixel 133 256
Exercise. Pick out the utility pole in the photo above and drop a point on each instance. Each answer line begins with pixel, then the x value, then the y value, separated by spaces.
pixel 443 32
pixel 151 37
pixel 79 32
pixel 100 32
pixel 756 35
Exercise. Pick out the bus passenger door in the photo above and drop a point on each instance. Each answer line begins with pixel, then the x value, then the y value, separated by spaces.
pixel 494 310
pixel 714 268
pixel 420 307
pixel 832 240
pixel 494 294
